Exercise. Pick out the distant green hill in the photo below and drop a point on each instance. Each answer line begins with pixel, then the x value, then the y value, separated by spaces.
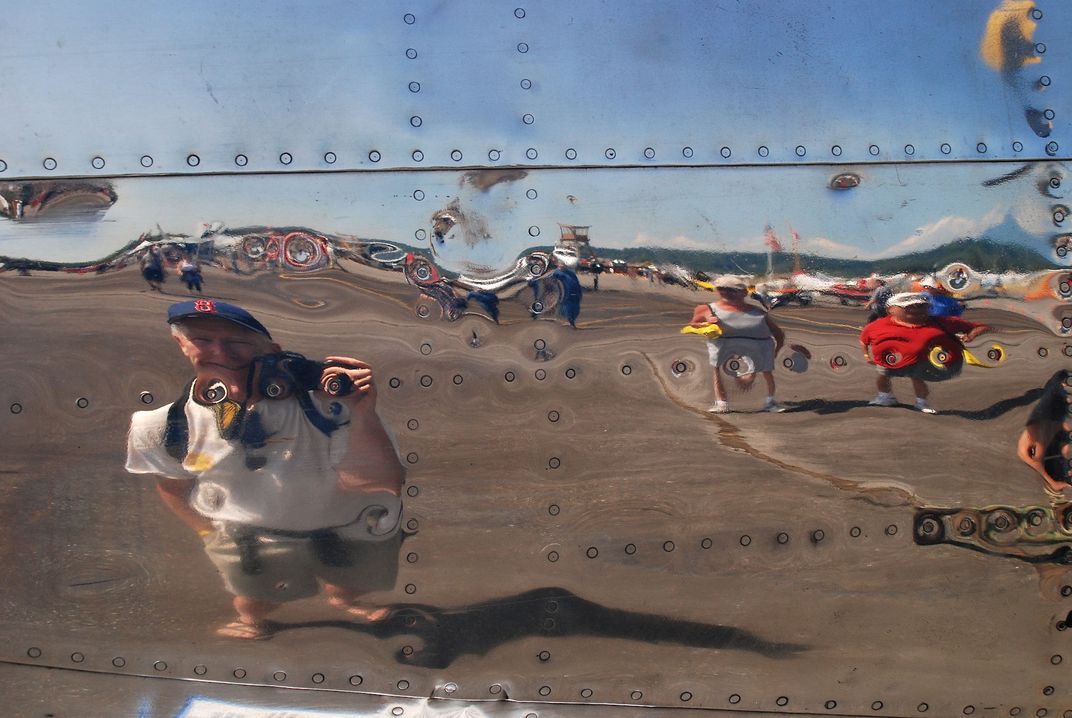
pixel 984 255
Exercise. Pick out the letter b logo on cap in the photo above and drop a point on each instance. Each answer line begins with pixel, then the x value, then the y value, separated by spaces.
pixel 204 305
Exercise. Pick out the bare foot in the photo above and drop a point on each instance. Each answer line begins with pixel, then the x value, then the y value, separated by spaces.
pixel 367 614
pixel 246 631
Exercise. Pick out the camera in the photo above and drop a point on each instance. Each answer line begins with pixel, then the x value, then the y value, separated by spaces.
pixel 278 376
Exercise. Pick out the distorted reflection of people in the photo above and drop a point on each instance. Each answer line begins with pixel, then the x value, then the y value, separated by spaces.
pixel 1044 442
pixel 940 302
pixel 152 268
pixel 749 337
pixel 190 273
pixel 289 494
pixel 876 303
pixel 910 343
pixel 563 282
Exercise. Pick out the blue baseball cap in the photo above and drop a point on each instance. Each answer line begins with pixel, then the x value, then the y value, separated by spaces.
pixel 211 308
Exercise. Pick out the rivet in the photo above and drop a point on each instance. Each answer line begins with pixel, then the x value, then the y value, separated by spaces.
pixel 630 549
pixel 1056 659
pixel 830 705
pixel 706 543
pixel 570 373
pixel 3 165
pixel 586 693
pixel 763 151
pixel 685 697
pixel 1042 712
pixel 532 154
pixel 1040 47
pixel 1017 146
pixel 279 676
pixel 534 231
pixel 782 700
pixel 412 557
pixel 16 408
pixel 922 707
pixel 146 161
pixel 403 685
pixel 398 710
pixel 873 150
pixel 494 155
pixel 77 657
pixel 82 402
pixel 413 524
pixel 495 689
pixel 450 688
pixel 509 376
pixel 626 369
pixel 411 589
pixel 160 666
pixel 571 154
pixel 783 538
pixel 519 13
pixel 649 152
pixel 318 678
pixel 528 119
pixel 552 556
pixel 526 84
pixel 609 153
pixel 418 195
pixel 457 379
pixel 531 194
pixel 735 699
pixel 909 150
pixel 522 47
pixel 554 462
pixel 49 164
pixel 193 160
pixel 746 540
pixel 686 152
pixel 411 457
pixel 836 150
pixel 968 710
pixel 34 652
pixel 286 158
pixel 668 546
pixel 945 148
pixel 725 152
pixel 876 706
pixel 200 669
pixel 411 53
pixel 553 416
pixel 891 530
pixel 417 156
pixel 394 382
pixel 329 158
pixel 855 532
pixel 407 650
pixel 356 680
pixel 636 695
pixel 801 150
pixel 544 656
pixel 1048 114
pixel 1043 351
pixel 98 163
pixel 413 491
pixel 239 673
pixel 426 381
pixel 1051 148
pixel 980 148
pixel 374 156
pixel 1045 80
pixel 1047 691
pixel 540 374
pixel 818 535
pixel 554 509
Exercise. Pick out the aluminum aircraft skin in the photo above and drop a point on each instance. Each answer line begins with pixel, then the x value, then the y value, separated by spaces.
pixel 536 359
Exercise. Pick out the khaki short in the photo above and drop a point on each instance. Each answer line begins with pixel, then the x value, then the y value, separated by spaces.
pixel 290 569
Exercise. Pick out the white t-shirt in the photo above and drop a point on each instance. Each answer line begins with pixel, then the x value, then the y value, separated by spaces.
pixel 296 489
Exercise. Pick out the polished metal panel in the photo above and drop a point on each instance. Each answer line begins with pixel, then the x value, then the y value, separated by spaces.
pixel 142 88
pixel 604 510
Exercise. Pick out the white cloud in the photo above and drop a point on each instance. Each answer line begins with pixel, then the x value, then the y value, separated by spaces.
pixel 828 248
pixel 681 241
pixel 942 231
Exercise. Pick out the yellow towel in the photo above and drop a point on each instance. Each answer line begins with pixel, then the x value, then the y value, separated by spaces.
pixel 707 331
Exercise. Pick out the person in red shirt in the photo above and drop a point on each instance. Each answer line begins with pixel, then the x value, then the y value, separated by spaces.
pixel 909 343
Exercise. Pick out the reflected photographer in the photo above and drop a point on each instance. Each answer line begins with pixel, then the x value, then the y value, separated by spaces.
pixel 1044 442
pixel 281 464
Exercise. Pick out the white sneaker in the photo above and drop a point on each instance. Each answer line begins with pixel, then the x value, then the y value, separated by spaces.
pixel 883 399
pixel 719 407
pixel 923 406
pixel 773 407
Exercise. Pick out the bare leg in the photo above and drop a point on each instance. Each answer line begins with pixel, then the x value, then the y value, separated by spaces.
pixel 769 378
pixel 884 383
pixel 720 390
pixel 920 387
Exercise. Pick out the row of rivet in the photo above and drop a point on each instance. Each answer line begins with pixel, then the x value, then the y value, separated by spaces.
pixel 496 689
pixel 531 153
